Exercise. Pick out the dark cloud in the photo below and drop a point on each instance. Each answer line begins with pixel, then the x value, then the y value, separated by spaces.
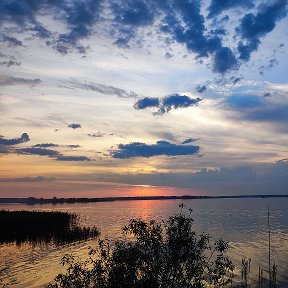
pixel 239 101
pixel 72 146
pixel 229 81
pixel 257 108
pixel 129 16
pixel 9 61
pixel 255 26
pixel 10 81
pixel 177 101
pixel 166 148
pixel 271 113
pixel 224 60
pixel 248 180
pixel 185 24
pixel 218 6
pixel 52 145
pixel 74 125
pixel 147 103
pixel 201 88
pixel 189 140
pixel 174 21
pixel 79 17
pixel 167 103
pixel 96 135
pixel 72 158
pixel 51 153
pixel 133 12
pixel 7 142
pixel 168 55
pixel 235 80
pixel 28 179
pixel 45 145
pixel 267 94
pixel 104 89
pixel 11 41
pixel 38 151
pixel 271 63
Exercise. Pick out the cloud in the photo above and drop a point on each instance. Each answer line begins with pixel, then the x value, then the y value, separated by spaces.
pixel 147 103
pixel 255 26
pixel 78 16
pixel 11 41
pixel 271 63
pixel 239 101
pixel 96 135
pixel 74 125
pixel 224 60
pixel 166 148
pixel 45 145
pixel 167 103
pixel 72 158
pixel 104 89
pixel 267 94
pixel 126 23
pixel 7 142
pixel 268 178
pixel 129 16
pixel 9 63
pixel 168 55
pixel 189 140
pixel 232 81
pixel 72 146
pixel 51 153
pixel 28 179
pixel 257 108
pixel 216 7
pixel 38 151
pixel 201 88
pixel 133 12
pixel 272 113
pixel 11 81
pixel 52 145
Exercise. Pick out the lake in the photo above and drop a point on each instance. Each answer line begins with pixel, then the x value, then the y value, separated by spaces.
pixel 242 222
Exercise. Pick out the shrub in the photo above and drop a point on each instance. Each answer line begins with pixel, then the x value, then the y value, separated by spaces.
pixel 168 254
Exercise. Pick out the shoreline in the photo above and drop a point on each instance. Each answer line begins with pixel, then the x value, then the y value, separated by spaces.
pixel 54 200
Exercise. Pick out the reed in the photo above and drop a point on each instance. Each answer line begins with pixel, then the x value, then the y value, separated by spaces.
pixel 42 227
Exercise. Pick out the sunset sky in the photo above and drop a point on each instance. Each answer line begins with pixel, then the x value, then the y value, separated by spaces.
pixel 115 97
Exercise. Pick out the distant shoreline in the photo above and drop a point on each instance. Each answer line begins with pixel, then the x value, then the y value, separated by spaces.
pixel 54 200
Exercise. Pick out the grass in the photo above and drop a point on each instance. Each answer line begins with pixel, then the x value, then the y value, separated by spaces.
pixel 42 227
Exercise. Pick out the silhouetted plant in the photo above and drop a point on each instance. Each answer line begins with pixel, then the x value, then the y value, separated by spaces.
pixel 160 255
pixel 245 271
pixel 42 227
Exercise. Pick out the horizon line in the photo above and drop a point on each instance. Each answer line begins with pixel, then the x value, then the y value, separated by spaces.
pixel 34 200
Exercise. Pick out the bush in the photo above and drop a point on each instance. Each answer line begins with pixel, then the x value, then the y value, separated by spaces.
pixel 159 255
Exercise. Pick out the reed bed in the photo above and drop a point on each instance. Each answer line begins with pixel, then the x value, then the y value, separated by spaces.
pixel 42 227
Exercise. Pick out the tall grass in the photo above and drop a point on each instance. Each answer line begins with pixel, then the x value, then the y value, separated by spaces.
pixel 42 227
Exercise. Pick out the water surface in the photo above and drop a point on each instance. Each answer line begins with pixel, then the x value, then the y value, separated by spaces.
pixel 242 222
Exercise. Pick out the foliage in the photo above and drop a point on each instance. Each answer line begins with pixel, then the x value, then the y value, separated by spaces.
pixel 168 254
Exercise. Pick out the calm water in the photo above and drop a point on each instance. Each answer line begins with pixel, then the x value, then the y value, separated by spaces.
pixel 242 222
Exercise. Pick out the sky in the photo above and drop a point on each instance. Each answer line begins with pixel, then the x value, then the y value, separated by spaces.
pixel 143 97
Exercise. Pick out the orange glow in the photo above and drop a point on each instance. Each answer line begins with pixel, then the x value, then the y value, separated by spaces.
pixel 78 189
